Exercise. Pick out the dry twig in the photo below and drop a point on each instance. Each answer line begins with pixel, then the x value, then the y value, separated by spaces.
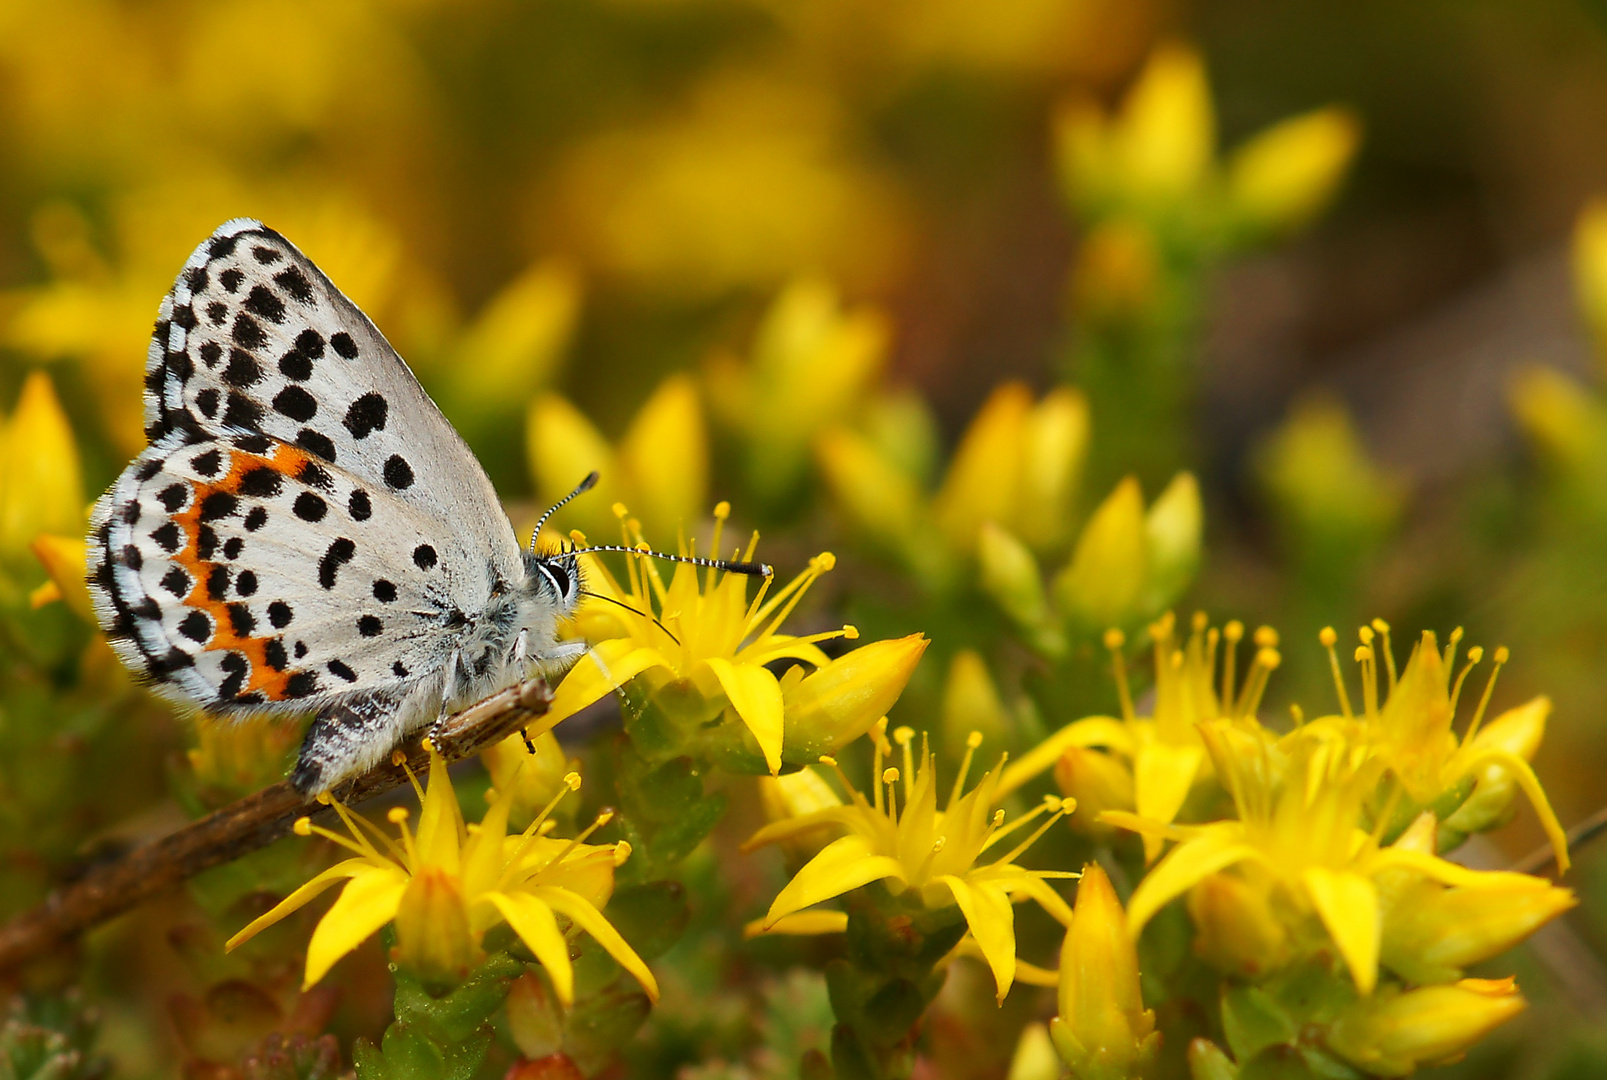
pixel 243 827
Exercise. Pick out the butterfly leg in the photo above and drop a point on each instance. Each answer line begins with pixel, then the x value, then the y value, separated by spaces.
pixel 346 739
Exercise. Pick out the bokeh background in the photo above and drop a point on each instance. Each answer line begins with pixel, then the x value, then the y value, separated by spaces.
pixel 590 225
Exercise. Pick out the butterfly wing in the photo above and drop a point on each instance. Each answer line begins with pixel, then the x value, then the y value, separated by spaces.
pixel 253 339
pixel 249 575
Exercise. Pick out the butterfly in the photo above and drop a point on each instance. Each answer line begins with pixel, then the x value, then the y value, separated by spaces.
pixel 305 531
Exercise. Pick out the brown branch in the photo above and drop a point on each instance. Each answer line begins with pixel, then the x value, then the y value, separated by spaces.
pixel 243 827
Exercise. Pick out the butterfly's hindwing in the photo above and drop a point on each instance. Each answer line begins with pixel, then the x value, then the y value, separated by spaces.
pixel 253 338
pixel 249 575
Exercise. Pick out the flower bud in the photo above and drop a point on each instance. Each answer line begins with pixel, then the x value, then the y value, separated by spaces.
pixel 535 1016
pixel 664 456
pixel 838 703
pixel 1104 583
pixel 1173 529
pixel 876 497
pixel 41 490
pixel 1103 1031
pixel 1236 930
pixel 1208 1061
pixel 794 795
pixel 971 704
pixel 984 477
pixel 432 930
pixel 1590 269
pixel 1392 1033
pixel 1010 575
pixel 564 446
pixel 1285 175
pixel 1099 781
pixel 1054 443
pixel 1431 933
pixel 1165 136
pixel 1560 417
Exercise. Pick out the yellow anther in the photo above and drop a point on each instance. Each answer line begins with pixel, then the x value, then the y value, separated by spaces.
pixel 603 818
pixel 828 761
pixel 973 740
pixel 1266 637
pixel 397 757
pixel 1269 658
pixel 722 510
pixel 851 633
pixel 620 511
pixel 937 845
pixel 823 562
pixel 1233 631
pixel 890 775
pixel 1366 635
pixel 1381 626
pixel 622 850
pixel 1328 637
pixel 903 734
pixel 302 826
pixel 572 781
pixel 1456 635
pixel 325 798
pixel 1502 655
pixel 396 815
pixel 998 818
pixel 1114 639
pixel 1475 654
pixel 428 744
pixel 1200 621
pixel 1363 653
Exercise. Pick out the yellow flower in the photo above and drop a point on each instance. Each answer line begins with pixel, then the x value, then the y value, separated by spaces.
pixel 661 465
pixel 41 486
pixel 446 884
pixel 531 779
pixel 1590 269
pixel 1398 1031
pixel 1103 1031
pixel 931 853
pixel 1284 176
pixel 63 559
pixel 1329 494
pixel 1411 731
pixel 1018 466
pixel 812 365
pixel 1164 750
pixel 1300 803
pixel 971 703
pixel 698 646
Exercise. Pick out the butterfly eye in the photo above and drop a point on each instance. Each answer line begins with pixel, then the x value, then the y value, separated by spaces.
pixel 558 576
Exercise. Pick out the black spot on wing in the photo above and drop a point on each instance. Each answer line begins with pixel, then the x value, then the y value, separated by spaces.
pixel 339 553
pixel 316 443
pixel 231 279
pixel 398 473
pixel 295 403
pixel 247 332
pixel 242 370
pixel 294 282
pixel 366 415
pixel 279 614
pixel 262 302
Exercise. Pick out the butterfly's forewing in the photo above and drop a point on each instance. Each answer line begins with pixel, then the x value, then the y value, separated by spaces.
pixel 248 575
pixel 254 339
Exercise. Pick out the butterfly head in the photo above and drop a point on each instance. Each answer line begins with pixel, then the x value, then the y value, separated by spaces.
pixel 555 576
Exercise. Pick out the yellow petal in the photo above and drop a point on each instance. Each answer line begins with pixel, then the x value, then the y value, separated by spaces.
pixel 563 447
pixel 367 903
pixel 1530 783
pixel 800 923
pixel 871 490
pixel 516 340
pixel 533 921
pixel 40 485
pixel 842 865
pixel 1285 175
pixel 440 833
pixel 756 696
pixel 1089 731
pixel 1162 776
pixel 665 454
pixel 992 921
pixel 1053 446
pixel 608 666
pixel 335 874
pixel 580 912
pixel 1015 879
pixel 63 560
pixel 1348 906
pixel 1104 583
pixel 1211 849
pixel 1166 134
pixel 984 478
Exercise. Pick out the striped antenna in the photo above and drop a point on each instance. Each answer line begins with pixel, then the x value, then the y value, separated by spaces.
pixel 752 569
pixel 580 489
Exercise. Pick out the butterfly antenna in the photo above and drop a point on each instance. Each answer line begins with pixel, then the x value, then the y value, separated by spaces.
pixel 752 569
pixel 633 611
pixel 580 489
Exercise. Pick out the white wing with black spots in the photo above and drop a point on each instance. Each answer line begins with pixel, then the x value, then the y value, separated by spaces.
pixel 247 575
pixel 253 338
